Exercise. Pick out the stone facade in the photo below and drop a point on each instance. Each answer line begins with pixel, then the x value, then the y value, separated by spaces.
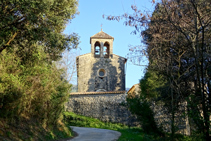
pixel 106 106
pixel 101 83
pixel 101 70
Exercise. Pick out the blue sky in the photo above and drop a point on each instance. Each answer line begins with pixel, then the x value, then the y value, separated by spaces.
pixel 89 21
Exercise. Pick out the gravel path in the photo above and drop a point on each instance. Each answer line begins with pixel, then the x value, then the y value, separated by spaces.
pixel 94 134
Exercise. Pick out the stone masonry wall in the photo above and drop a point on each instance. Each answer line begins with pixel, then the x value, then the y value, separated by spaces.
pixel 163 119
pixel 106 107
pixel 109 107
pixel 88 77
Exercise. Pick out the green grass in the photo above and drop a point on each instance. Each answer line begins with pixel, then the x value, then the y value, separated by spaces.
pixel 127 133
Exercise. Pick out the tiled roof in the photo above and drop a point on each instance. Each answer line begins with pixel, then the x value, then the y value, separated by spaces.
pixel 132 89
pixel 95 93
pixel 102 35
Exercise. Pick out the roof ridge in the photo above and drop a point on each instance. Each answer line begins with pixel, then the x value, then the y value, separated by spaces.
pixel 102 34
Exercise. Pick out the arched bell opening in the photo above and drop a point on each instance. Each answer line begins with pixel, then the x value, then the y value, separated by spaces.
pixel 97 49
pixel 106 50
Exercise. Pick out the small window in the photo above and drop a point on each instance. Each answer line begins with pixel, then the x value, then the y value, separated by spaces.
pixel 101 73
pixel 97 49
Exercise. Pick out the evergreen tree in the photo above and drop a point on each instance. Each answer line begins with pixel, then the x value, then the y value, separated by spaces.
pixel 31 39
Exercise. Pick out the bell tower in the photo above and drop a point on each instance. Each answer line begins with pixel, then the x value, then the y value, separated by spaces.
pixel 101 45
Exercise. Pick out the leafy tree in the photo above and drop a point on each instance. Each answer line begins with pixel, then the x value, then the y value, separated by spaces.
pixel 177 36
pixel 34 89
pixel 41 21
pixel 180 46
pixel 31 39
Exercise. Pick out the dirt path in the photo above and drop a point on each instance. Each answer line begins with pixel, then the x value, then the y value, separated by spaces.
pixel 94 134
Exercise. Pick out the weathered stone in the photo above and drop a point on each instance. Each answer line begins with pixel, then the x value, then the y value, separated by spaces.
pixel 101 70
pixel 106 107
pixel 163 118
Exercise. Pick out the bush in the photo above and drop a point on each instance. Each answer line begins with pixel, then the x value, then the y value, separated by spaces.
pixel 31 87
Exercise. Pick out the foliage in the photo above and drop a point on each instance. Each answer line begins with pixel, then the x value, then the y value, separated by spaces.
pixel 180 51
pixel 32 89
pixel 141 108
pixel 127 133
pixel 150 85
pixel 140 104
pixel 31 40
pixel 41 21
pixel 31 130
pixel 177 36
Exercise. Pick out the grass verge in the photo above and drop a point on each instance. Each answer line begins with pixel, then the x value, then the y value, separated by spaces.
pixel 127 133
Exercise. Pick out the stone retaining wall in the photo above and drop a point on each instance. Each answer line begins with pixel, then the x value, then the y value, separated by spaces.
pixel 108 107
pixel 163 119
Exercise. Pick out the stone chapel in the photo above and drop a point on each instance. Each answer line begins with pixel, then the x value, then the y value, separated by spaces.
pixel 101 88
pixel 101 70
